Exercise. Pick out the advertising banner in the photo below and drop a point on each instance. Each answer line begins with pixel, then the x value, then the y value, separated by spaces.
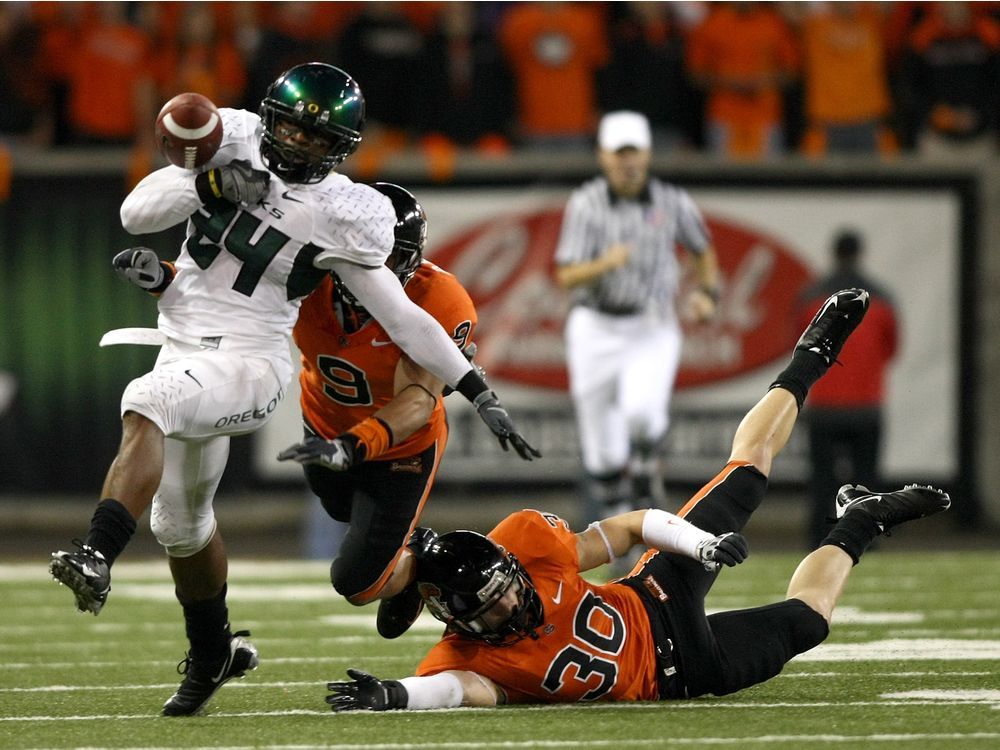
pixel 772 242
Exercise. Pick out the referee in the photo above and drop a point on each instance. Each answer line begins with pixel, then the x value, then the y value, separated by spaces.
pixel 616 255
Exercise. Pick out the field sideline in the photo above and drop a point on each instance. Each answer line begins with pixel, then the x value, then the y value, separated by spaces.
pixel 913 662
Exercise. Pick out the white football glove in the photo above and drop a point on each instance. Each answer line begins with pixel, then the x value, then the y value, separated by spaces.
pixel 140 266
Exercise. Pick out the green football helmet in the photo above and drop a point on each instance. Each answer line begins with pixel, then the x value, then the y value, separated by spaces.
pixel 321 99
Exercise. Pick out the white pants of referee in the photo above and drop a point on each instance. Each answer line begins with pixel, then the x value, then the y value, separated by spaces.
pixel 621 371
pixel 199 397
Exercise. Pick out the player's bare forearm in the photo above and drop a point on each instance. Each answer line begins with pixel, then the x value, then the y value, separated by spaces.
pixel 447 689
pixel 620 533
pixel 613 537
pixel 416 396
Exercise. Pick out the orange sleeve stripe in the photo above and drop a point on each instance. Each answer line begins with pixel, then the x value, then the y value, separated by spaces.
pixel 711 485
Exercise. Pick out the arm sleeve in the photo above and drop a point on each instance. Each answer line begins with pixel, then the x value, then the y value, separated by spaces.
pixel 442 690
pixel 575 234
pixel 415 331
pixel 691 229
pixel 164 198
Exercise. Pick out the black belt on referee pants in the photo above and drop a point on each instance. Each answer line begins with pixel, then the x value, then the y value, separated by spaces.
pixel 668 681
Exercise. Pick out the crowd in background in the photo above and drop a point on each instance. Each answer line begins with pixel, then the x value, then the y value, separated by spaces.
pixel 743 80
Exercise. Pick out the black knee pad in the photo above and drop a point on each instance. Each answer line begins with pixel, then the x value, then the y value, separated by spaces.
pixel 808 627
pixel 344 582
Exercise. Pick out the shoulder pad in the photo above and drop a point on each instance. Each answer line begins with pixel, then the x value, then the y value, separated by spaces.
pixel 355 221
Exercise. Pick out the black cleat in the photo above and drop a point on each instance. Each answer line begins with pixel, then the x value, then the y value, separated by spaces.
pixel 889 509
pixel 840 314
pixel 202 680
pixel 86 573
pixel 398 613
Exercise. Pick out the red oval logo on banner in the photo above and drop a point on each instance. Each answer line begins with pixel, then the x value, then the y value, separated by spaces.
pixel 506 264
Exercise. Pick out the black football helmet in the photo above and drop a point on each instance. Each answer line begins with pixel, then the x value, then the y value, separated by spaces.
pixel 410 238
pixel 321 99
pixel 463 574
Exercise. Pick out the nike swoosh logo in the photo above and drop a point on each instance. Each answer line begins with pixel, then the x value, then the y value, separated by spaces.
pixel 288 197
pixel 188 373
pixel 558 597
pixel 376 342
pixel 222 672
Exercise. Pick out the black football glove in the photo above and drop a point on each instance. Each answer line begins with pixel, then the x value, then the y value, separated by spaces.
pixel 337 454
pixel 142 267
pixel 366 692
pixel 238 182
pixel 500 424
pixel 727 549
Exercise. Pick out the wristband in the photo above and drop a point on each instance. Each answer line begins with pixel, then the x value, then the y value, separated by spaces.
pixel 374 437
pixel 206 184
pixel 472 385
pixel 671 533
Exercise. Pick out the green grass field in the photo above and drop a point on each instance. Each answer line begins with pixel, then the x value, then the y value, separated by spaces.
pixel 913 662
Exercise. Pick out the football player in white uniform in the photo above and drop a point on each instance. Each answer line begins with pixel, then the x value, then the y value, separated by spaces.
pixel 267 218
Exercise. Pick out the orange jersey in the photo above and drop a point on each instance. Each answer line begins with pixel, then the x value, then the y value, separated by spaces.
pixel 595 642
pixel 347 377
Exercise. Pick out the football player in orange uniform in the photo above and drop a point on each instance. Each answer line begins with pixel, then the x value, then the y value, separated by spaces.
pixel 375 422
pixel 524 626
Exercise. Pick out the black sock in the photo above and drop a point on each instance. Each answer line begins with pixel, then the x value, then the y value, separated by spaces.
pixel 111 527
pixel 207 626
pixel 800 374
pixel 853 533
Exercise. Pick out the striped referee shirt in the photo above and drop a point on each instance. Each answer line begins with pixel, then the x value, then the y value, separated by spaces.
pixel 651 224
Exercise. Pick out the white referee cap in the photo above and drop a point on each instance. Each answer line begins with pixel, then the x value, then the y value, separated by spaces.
pixel 624 128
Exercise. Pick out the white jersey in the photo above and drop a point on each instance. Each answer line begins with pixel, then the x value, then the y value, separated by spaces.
pixel 243 271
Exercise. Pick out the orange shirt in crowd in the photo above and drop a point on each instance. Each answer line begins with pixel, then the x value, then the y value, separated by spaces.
pixel 934 27
pixel 742 57
pixel 554 51
pixel 106 79
pixel 845 73
pixel 314 22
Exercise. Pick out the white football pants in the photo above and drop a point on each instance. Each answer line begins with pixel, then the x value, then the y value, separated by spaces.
pixel 622 371
pixel 199 397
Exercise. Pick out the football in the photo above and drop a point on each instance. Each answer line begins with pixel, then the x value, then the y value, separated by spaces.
pixel 189 130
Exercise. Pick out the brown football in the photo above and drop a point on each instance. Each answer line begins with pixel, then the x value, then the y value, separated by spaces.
pixel 189 130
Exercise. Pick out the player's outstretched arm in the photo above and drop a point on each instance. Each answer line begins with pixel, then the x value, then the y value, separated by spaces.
pixel 170 195
pixel 607 540
pixel 424 340
pixel 406 413
pixel 365 692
